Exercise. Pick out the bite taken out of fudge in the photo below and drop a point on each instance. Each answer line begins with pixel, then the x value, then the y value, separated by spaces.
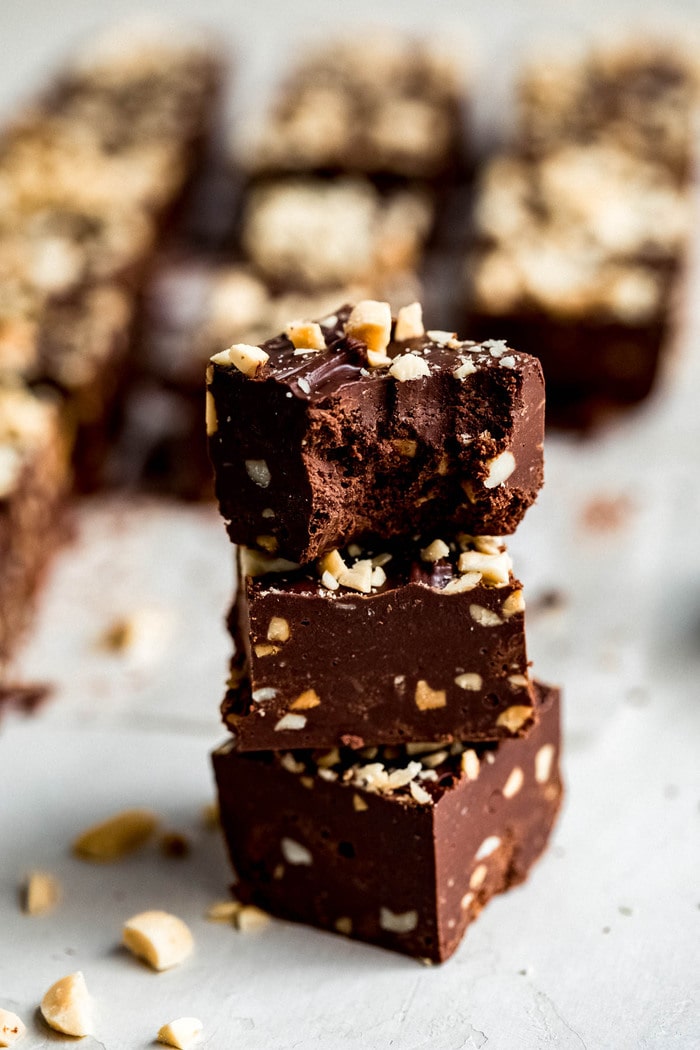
pixel 359 425
pixel 405 640
pixel 400 847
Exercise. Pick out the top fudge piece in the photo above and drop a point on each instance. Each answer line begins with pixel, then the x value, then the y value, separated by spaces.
pixel 376 104
pixel 358 425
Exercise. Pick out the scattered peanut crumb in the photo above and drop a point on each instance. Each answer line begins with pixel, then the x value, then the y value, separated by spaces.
pixel 250 918
pixel 117 836
pixel 42 893
pixel 67 1006
pixel 223 911
pixel 142 635
pixel 182 1033
pixel 160 939
pixel 12 1028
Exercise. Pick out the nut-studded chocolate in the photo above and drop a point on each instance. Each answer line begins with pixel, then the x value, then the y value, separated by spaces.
pixel 314 836
pixel 327 425
pixel 401 640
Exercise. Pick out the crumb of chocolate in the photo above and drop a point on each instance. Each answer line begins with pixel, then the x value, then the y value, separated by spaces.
pixel 25 699
pixel 174 844
pixel 607 513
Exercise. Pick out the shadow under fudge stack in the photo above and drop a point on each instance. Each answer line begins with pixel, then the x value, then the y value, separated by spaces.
pixel 380 698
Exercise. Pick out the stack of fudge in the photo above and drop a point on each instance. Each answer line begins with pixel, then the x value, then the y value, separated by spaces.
pixel 347 182
pixel 91 176
pixel 392 764
pixel 583 228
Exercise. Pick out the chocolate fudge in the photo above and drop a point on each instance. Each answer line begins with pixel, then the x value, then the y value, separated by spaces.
pixel 91 176
pixel 399 641
pixel 34 479
pixel 582 232
pixel 358 425
pixel 373 103
pixel 401 847
pixel 576 260
pixel 641 97
pixel 310 234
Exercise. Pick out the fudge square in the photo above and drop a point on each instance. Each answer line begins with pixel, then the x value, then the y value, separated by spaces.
pixel 401 847
pixel 583 279
pixel 381 104
pixel 393 642
pixel 34 480
pixel 641 96
pixel 358 425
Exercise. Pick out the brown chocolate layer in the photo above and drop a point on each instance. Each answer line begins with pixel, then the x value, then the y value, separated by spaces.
pixel 428 645
pixel 397 846
pixel 317 449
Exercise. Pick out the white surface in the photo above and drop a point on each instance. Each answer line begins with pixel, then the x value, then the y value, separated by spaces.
pixel 598 950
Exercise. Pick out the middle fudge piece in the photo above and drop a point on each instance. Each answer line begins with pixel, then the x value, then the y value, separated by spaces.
pixel 403 640
pixel 361 425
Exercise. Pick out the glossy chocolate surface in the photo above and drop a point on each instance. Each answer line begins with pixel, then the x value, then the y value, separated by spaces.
pixel 317 449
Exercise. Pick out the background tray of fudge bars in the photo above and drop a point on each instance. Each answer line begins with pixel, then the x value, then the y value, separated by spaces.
pixel 130 634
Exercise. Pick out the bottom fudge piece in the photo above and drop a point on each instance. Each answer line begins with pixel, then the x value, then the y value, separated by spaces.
pixel 33 484
pixel 400 847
